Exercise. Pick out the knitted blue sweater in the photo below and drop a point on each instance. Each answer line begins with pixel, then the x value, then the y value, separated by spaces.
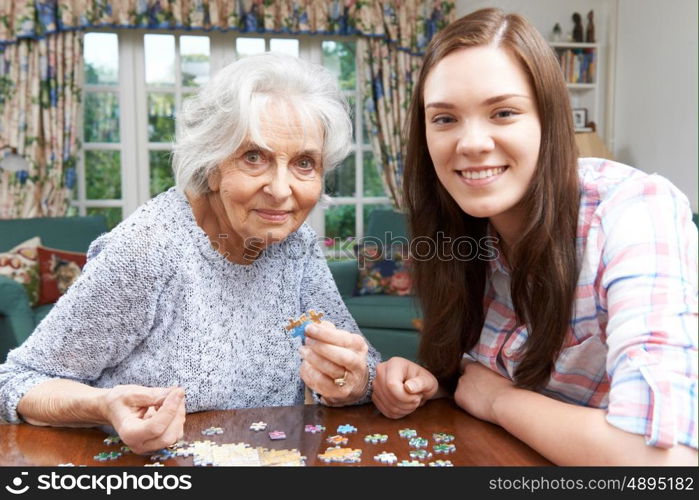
pixel 156 305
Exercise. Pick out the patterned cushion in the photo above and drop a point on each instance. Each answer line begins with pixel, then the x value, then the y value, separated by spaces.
pixel 383 272
pixel 22 265
pixel 58 270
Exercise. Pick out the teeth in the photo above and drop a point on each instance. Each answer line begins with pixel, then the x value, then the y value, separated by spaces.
pixel 481 174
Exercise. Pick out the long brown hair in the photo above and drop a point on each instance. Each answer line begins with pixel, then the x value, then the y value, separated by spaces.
pixel 543 261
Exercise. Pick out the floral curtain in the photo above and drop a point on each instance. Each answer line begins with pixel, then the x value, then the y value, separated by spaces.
pixel 41 40
pixel 37 18
pixel 40 83
pixel 389 67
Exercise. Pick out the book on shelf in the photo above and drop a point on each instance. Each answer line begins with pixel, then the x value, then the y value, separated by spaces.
pixel 578 65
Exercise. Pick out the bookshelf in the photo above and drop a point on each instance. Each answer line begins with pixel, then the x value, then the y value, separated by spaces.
pixel 580 65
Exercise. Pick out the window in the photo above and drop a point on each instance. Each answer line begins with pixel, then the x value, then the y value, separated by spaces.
pixel 355 186
pixel 175 67
pixel 135 83
pixel 99 188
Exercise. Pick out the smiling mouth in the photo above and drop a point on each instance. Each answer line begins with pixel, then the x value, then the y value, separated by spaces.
pixel 273 215
pixel 485 173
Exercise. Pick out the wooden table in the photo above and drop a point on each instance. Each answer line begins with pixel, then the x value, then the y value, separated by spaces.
pixel 477 442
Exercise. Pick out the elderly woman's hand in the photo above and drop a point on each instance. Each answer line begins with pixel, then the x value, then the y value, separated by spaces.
pixel 146 418
pixel 335 363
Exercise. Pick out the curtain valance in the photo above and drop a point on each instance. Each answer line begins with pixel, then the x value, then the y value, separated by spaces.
pixel 409 24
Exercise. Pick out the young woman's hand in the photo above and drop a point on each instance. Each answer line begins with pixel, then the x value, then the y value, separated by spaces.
pixel 478 389
pixel 335 363
pixel 401 386
pixel 146 418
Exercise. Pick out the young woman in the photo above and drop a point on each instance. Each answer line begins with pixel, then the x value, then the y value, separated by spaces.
pixel 580 336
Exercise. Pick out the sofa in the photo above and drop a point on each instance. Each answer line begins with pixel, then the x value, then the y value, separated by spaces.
pixel 17 318
pixel 387 321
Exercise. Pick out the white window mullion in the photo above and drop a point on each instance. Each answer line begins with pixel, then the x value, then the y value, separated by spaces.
pixel 309 49
pixel 359 160
pixel 178 77
pixel 128 45
pixel 220 51
pixel 140 110
pixel 80 167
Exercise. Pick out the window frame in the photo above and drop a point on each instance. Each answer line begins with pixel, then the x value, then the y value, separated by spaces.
pixel 135 145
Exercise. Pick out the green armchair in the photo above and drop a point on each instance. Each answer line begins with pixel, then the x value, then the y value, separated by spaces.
pixel 387 321
pixel 17 317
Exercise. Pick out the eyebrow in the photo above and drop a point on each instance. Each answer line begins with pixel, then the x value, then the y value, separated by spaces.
pixel 305 152
pixel 488 102
pixel 309 152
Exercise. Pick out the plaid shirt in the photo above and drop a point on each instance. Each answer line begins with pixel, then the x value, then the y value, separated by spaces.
pixel 632 344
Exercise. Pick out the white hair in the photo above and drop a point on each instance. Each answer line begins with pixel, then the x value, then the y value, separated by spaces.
pixel 228 110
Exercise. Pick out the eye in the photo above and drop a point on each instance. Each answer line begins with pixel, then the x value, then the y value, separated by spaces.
pixel 505 113
pixel 254 157
pixel 306 164
pixel 442 119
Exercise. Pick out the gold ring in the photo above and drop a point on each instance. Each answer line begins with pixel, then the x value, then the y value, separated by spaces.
pixel 342 380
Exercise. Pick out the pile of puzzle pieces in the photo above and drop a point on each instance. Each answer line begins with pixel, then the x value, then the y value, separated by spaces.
pixel 418 456
pixel 209 453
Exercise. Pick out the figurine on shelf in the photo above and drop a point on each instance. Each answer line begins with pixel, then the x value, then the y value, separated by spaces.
pixel 556 33
pixel 590 33
pixel 578 29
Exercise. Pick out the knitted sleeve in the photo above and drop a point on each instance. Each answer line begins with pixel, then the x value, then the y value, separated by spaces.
pixel 97 323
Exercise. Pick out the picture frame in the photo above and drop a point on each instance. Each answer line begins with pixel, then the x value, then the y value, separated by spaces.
pixel 579 118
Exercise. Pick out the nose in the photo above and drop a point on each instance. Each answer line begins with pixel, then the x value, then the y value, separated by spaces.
pixel 278 185
pixel 476 139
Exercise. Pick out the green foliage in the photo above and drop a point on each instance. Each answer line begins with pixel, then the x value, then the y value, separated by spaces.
pixel 161 176
pixel 103 175
pixel 101 117
pixel 161 117
pixel 100 75
pixel 373 186
pixel 189 79
pixel 340 58
pixel 91 74
pixel 339 221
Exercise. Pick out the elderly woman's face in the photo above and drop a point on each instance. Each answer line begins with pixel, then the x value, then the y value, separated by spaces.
pixel 267 192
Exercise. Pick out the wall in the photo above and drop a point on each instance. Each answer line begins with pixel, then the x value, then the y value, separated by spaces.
pixel 544 14
pixel 656 87
pixel 650 115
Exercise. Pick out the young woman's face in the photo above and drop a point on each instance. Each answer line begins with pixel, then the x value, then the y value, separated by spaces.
pixel 483 132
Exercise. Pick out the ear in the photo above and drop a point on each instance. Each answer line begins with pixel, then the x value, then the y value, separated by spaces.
pixel 214 179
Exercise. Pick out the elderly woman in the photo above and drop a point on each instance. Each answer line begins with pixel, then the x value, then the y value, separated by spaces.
pixel 191 294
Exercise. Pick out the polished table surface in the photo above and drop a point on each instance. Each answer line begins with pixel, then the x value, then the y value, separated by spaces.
pixel 477 442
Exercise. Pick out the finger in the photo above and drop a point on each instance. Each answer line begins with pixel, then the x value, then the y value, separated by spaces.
pixel 125 402
pixel 323 384
pixel 421 384
pixel 353 358
pixel 172 434
pixel 147 396
pixel 324 365
pixel 390 410
pixel 161 420
pixel 327 332
pixel 393 376
pixel 150 411
pixel 391 397
pixel 385 399
pixel 398 399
